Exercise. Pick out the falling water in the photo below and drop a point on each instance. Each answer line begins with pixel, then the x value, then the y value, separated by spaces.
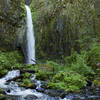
pixel 30 38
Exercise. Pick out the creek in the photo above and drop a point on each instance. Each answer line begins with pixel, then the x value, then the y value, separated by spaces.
pixel 14 92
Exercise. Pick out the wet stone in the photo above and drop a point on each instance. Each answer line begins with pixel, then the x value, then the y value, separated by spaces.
pixel 31 97
pixel 2 97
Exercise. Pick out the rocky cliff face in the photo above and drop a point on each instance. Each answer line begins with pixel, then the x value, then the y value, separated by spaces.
pixel 60 24
pixel 12 23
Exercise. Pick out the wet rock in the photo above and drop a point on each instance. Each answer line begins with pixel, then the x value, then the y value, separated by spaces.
pixel 14 97
pixel 97 83
pixel 40 89
pixel 2 97
pixel 31 97
pixel 29 71
pixel 54 93
pixel 62 95
pixel 44 85
pixel 98 64
pixel 28 2
pixel 14 79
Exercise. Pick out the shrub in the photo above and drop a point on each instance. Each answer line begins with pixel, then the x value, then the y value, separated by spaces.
pixel 94 56
pixel 9 61
pixel 78 63
pixel 71 81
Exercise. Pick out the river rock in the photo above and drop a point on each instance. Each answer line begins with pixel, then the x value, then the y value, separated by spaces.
pixel 55 93
pixel 98 64
pixel 31 97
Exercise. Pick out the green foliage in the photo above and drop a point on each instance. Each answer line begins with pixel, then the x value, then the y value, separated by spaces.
pixel 67 81
pixel 44 75
pixel 10 61
pixel 27 83
pixel 33 14
pixel 94 56
pixel 23 14
pixel 81 66
pixel 97 82
pixel 26 75
pixel 78 62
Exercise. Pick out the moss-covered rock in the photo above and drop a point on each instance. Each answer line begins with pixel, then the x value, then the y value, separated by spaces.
pixel 2 97
pixel 97 82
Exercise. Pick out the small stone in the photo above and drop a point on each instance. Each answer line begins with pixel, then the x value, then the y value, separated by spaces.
pixel 98 64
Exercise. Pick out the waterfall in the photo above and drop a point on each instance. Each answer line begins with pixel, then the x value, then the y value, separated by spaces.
pixel 30 38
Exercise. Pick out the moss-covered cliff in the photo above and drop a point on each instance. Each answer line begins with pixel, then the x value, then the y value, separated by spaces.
pixel 11 22
pixel 64 25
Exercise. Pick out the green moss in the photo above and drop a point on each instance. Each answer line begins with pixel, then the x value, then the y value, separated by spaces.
pixel 97 82
pixel 3 96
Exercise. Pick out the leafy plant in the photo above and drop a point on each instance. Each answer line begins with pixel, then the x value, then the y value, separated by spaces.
pixel 71 81
pixel 9 61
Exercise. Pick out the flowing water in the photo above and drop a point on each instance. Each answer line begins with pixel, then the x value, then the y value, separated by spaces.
pixel 30 38
pixel 14 92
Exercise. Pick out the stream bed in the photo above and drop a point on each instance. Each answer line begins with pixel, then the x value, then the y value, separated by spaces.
pixel 14 92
